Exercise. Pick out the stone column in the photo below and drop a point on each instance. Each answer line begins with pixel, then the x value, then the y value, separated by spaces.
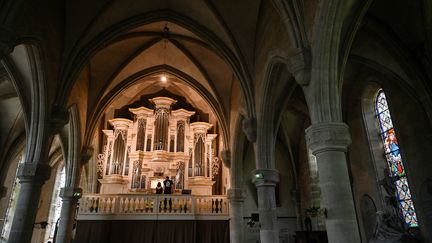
pixel 70 196
pixel 236 199
pixel 328 142
pixel 31 177
pixel 265 180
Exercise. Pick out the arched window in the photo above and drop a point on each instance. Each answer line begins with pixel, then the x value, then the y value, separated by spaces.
pixel 12 203
pixel 394 160
pixel 56 203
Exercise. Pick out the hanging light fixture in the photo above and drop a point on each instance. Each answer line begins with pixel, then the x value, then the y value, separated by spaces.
pixel 165 34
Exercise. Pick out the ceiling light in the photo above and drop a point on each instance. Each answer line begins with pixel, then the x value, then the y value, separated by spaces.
pixel 163 78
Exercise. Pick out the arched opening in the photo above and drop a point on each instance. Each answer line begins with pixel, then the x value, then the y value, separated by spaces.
pixel 156 116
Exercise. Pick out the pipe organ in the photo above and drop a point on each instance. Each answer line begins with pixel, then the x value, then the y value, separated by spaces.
pixel 158 142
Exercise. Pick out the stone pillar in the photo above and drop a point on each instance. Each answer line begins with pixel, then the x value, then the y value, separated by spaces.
pixel 70 196
pixel 265 180
pixel 328 142
pixel 31 177
pixel 236 199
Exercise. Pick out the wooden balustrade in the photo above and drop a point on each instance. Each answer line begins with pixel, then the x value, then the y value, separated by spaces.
pixel 139 204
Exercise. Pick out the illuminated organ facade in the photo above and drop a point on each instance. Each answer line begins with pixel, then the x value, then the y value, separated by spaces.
pixel 157 143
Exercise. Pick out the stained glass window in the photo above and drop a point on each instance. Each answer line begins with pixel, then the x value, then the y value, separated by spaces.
pixel 394 160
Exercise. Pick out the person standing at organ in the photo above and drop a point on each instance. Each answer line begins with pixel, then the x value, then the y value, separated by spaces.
pixel 168 184
pixel 167 190
pixel 159 188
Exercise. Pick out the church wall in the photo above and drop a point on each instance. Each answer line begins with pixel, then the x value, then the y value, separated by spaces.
pixel 308 187
pixel 283 163
pixel 378 49
pixel 363 171
pixel 79 96
pixel 285 205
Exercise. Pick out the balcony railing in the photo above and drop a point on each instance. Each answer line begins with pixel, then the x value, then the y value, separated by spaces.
pixel 152 207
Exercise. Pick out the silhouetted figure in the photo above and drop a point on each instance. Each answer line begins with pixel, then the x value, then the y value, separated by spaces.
pixel 159 188
pixel 168 183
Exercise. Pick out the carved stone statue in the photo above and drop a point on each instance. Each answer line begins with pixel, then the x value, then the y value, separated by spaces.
pixel 390 226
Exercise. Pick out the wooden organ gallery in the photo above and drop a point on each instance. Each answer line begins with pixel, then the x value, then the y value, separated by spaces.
pixel 157 143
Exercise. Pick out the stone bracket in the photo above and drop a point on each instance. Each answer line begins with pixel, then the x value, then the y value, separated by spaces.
pixel 299 64
pixel 86 154
pixel 328 136
pixel 226 158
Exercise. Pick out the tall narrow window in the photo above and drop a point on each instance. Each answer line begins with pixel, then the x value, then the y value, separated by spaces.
pixel 394 160
pixel 56 203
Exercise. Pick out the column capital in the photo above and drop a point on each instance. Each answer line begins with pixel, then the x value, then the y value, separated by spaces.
pixel 70 192
pixel 33 172
pixel 86 154
pixel 7 41
pixel 235 194
pixel 265 177
pixel 328 136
